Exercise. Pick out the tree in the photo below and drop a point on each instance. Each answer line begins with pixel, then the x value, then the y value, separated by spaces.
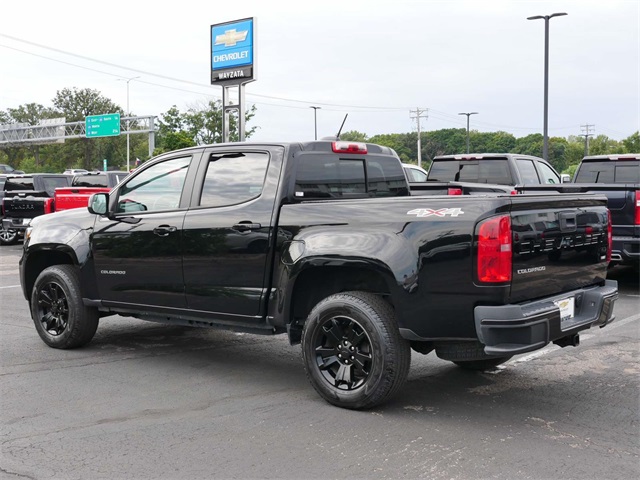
pixel 354 136
pixel 632 143
pixel 603 145
pixel 31 114
pixel 204 122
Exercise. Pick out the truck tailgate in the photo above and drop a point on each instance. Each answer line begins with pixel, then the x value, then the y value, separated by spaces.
pixel 75 197
pixel 559 244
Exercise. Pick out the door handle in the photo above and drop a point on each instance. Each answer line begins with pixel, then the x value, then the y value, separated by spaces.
pixel 245 226
pixel 164 230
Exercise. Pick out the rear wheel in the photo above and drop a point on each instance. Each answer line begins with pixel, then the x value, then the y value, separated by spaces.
pixel 353 353
pixel 60 317
pixel 8 237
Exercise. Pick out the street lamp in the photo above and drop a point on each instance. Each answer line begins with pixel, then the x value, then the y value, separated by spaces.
pixel 128 115
pixel 468 115
pixel 545 148
pixel 315 120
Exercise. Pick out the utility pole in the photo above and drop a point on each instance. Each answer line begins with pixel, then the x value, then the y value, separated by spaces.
pixel 587 129
pixel 468 114
pixel 418 115
pixel 315 121
pixel 128 115
pixel 545 128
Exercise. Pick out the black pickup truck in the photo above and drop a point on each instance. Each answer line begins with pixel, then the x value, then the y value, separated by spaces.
pixel 499 168
pixel 323 241
pixel 24 198
pixel 618 178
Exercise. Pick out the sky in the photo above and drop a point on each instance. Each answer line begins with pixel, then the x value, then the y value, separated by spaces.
pixel 374 60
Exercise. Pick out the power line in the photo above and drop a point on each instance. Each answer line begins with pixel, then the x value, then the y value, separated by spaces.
pixel 174 79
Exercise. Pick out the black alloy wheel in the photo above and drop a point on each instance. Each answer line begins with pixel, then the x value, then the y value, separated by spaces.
pixel 53 308
pixel 343 352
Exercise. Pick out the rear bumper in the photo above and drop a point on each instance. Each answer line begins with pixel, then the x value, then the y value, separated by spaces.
pixel 512 329
pixel 19 224
pixel 625 250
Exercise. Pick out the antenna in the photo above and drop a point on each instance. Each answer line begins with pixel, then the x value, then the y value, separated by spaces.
pixel 339 131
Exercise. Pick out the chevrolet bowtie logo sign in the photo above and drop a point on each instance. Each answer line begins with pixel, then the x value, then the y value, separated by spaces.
pixel 230 37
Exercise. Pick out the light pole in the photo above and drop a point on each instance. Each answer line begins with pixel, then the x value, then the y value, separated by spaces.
pixel 545 134
pixel 315 120
pixel 128 115
pixel 468 115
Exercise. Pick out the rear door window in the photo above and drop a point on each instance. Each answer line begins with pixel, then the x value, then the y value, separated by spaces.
pixel 528 172
pixel 549 176
pixel 233 178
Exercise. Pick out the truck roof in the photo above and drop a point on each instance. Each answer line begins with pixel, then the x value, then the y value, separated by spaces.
pixel 617 156
pixel 478 156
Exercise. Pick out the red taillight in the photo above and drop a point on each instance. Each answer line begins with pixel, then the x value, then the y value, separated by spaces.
pixel 349 147
pixel 48 205
pixel 610 234
pixel 454 191
pixel 494 250
pixel 637 216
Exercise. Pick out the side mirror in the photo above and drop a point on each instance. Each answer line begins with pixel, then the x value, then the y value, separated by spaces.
pixel 565 178
pixel 98 203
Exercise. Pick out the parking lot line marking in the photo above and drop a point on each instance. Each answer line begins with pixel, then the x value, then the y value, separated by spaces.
pixel 11 286
pixel 584 336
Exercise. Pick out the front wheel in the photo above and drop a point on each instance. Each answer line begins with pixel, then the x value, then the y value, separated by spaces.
pixel 61 318
pixel 353 353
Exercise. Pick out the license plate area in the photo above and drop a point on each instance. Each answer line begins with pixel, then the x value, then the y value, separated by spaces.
pixel 567 308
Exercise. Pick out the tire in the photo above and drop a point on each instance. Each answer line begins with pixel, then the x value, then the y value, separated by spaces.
pixel 352 350
pixel 60 317
pixel 482 364
pixel 8 237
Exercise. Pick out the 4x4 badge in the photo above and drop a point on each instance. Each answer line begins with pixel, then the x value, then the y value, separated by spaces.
pixel 441 212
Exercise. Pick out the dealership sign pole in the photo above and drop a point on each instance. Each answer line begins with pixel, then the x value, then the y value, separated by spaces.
pixel 233 65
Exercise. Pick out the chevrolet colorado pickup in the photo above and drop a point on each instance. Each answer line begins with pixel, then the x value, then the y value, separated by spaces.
pixel 323 241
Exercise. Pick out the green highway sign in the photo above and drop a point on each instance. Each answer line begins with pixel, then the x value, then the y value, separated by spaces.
pixel 102 125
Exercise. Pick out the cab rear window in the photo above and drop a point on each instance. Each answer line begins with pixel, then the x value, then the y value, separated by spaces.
pixel 609 172
pixel 331 176
pixel 486 171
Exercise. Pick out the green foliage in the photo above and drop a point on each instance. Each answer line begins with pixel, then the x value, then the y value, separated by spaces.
pixel 201 124
pixel 354 136
pixel 632 143
pixel 603 145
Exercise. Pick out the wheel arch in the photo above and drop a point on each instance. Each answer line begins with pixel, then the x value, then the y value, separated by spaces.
pixel 315 282
pixel 37 261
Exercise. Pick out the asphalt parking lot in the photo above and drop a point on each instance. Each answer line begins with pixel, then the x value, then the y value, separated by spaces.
pixel 147 401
